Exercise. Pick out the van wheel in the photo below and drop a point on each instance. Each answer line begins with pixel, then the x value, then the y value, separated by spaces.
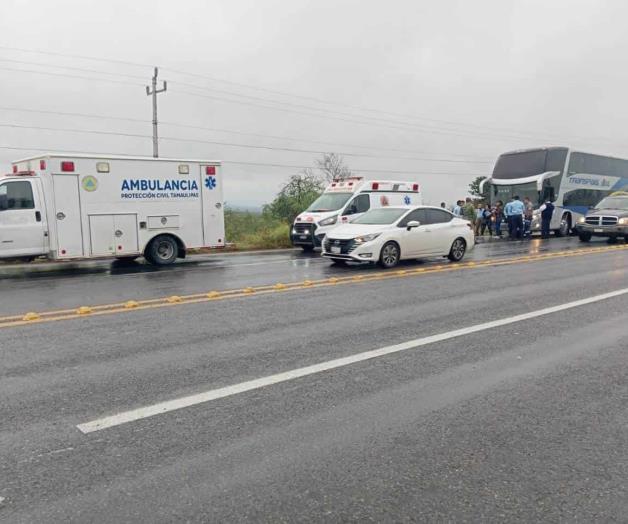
pixel 457 251
pixel 389 256
pixel 584 237
pixel 162 250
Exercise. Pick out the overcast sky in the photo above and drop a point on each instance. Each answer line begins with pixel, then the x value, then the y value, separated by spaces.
pixel 449 83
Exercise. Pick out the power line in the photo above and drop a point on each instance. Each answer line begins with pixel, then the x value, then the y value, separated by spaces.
pixel 400 125
pixel 82 57
pixel 227 131
pixel 70 68
pixel 67 75
pixel 257 88
pixel 230 144
pixel 261 164
pixel 358 170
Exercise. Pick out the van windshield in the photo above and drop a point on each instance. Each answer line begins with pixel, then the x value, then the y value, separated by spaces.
pixel 329 202
pixel 380 216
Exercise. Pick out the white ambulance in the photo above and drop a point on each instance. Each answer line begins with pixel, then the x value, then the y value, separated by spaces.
pixel 344 201
pixel 77 207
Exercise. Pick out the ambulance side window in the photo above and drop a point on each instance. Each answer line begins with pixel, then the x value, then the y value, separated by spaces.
pixel 16 195
pixel 359 204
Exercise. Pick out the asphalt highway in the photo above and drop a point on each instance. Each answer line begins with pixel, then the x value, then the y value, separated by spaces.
pixel 42 287
pixel 498 393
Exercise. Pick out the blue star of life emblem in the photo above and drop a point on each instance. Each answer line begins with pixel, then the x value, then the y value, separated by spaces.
pixel 210 182
pixel 407 200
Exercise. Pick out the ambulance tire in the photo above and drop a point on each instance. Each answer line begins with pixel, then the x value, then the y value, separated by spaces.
pixel 162 250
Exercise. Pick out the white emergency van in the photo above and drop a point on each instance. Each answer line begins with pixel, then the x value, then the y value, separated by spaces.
pixel 76 207
pixel 345 200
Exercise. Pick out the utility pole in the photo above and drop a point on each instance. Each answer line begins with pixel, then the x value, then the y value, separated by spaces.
pixel 154 92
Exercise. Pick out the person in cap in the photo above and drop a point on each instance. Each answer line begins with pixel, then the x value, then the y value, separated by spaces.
pixel 547 210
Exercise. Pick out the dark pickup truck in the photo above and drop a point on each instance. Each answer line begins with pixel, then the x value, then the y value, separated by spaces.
pixel 608 219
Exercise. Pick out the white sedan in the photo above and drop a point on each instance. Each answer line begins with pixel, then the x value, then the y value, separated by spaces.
pixel 390 234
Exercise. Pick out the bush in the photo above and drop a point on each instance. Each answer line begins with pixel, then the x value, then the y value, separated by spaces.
pixel 248 230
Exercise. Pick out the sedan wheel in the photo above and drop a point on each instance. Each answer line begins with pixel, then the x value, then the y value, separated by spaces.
pixel 457 251
pixel 389 257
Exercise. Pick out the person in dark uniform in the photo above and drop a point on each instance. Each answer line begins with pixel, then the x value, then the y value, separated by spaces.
pixel 547 210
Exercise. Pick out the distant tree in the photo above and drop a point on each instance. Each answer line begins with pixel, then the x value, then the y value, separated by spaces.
pixel 300 191
pixel 474 189
pixel 333 167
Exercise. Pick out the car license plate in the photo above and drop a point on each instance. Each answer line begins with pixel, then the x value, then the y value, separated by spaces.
pixel 335 250
pixel 303 237
pixel 598 231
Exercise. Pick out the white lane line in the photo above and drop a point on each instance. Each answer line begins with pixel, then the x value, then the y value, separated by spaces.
pixel 214 394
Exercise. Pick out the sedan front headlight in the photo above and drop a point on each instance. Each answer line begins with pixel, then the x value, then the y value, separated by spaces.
pixel 328 221
pixel 623 221
pixel 366 238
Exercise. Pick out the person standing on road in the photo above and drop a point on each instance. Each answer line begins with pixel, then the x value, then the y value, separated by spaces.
pixel 479 219
pixel 508 215
pixel 528 213
pixel 458 208
pixel 487 220
pixel 547 210
pixel 498 214
pixel 517 210
pixel 443 205
pixel 469 211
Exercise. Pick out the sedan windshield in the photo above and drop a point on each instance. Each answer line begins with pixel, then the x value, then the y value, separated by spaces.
pixel 613 203
pixel 382 216
pixel 329 202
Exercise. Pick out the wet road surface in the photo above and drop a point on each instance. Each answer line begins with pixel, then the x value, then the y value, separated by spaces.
pixel 43 287
pixel 523 420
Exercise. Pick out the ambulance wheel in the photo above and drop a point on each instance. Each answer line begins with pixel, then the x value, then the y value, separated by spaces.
pixel 162 250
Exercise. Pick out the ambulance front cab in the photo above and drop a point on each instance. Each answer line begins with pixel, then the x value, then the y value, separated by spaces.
pixel 23 228
pixel 345 200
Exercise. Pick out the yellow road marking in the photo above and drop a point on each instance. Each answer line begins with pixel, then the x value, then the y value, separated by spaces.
pixel 31 318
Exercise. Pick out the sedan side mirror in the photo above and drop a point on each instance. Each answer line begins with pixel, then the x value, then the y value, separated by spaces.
pixel 412 224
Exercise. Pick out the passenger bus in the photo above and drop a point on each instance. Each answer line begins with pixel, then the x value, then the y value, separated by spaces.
pixel 574 180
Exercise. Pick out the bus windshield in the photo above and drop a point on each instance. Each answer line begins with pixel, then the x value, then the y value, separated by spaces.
pixel 380 216
pixel 506 193
pixel 520 165
pixel 329 202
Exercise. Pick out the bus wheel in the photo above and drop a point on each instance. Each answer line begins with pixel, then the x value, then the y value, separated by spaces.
pixel 584 237
pixel 565 226
pixel 162 250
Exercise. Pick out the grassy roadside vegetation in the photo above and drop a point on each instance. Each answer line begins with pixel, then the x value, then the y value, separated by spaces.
pixel 250 230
